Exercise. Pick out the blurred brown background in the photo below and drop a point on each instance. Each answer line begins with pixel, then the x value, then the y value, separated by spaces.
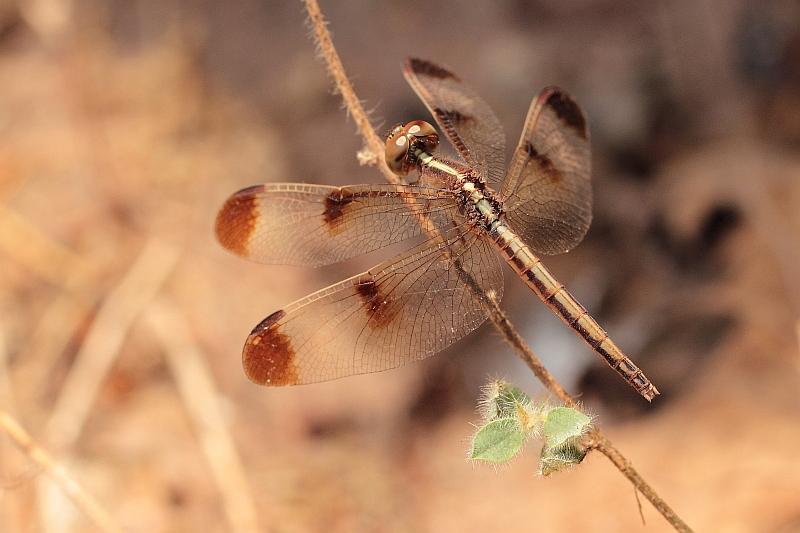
pixel 123 127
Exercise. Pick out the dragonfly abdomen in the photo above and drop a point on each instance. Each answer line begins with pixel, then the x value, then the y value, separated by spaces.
pixel 531 269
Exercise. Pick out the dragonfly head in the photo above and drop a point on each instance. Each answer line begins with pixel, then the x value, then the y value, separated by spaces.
pixel 405 141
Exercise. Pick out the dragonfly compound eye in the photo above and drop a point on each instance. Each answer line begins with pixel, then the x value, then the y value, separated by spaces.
pixel 423 134
pixel 397 152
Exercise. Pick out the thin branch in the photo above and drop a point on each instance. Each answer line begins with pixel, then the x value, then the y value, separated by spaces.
pixel 82 499
pixel 498 318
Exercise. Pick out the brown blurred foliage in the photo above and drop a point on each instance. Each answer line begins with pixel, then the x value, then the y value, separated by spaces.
pixel 124 125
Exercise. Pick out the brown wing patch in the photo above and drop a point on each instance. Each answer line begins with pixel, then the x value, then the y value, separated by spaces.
pixel 568 111
pixel 335 204
pixel 426 68
pixel 545 164
pixel 268 357
pixel 378 306
pixel 237 219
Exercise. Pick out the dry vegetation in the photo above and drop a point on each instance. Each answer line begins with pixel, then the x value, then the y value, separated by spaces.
pixel 123 126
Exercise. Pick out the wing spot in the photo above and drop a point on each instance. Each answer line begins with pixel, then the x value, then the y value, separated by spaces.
pixel 426 68
pixel 545 164
pixel 335 204
pixel 377 305
pixel 237 220
pixel 268 357
pixel 568 111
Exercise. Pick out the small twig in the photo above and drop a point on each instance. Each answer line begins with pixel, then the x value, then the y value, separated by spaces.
pixel 198 391
pixel 639 505
pixel 498 318
pixel 82 499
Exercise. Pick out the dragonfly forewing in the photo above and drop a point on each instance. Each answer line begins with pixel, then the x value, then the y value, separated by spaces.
pixel 465 117
pixel 314 225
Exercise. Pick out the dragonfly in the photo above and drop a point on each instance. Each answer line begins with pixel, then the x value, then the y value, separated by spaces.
pixel 473 212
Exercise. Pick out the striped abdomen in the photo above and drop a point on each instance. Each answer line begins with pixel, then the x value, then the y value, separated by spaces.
pixel 533 272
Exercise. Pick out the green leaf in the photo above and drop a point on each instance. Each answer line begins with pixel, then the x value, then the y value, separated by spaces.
pixel 502 399
pixel 562 431
pixel 564 424
pixel 498 441
pixel 558 458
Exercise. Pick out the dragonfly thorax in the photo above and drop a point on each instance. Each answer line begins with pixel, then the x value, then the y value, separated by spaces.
pixel 479 203
pixel 405 141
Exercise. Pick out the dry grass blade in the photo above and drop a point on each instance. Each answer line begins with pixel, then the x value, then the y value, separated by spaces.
pixel 54 331
pixel 33 248
pixel 12 519
pixel 105 338
pixel 6 393
pixel 82 499
pixel 59 265
pixel 506 329
pixel 199 394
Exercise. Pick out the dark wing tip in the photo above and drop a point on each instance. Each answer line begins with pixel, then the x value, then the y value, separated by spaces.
pixel 567 110
pixel 268 357
pixel 423 67
pixel 237 219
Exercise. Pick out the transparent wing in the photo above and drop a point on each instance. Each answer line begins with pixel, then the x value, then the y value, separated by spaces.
pixel 548 192
pixel 313 225
pixel 401 311
pixel 462 115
